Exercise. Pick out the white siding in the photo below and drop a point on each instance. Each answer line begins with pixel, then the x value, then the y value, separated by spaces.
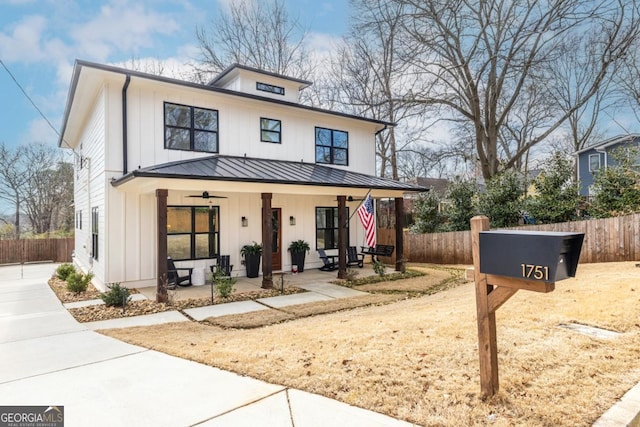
pixel 239 128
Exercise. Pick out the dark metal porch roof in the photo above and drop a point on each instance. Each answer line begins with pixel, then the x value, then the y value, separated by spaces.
pixel 247 169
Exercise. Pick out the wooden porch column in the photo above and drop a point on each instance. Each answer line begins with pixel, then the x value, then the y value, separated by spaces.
pixel 400 261
pixel 342 237
pixel 161 261
pixel 267 235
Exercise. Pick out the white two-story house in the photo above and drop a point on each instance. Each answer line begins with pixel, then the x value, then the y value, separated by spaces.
pixel 169 167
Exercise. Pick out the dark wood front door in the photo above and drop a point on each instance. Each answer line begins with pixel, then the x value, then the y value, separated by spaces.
pixel 276 239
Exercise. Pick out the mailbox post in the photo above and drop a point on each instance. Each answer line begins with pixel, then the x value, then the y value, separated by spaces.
pixel 504 262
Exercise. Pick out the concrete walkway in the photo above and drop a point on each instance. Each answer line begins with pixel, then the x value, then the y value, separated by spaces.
pixel 50 359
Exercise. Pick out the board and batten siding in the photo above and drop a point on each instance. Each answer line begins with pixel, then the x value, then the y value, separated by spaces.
pixel 89 187
pixel 239 128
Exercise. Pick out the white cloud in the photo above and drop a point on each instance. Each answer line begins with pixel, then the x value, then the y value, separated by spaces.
pixel 38 131
pixel 23 40
pixel 120 27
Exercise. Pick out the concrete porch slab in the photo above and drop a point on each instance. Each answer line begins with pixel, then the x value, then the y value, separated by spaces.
pixel 201 313
pixel 145 320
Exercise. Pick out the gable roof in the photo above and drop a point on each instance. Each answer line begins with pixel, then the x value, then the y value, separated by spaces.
pixel 609 142
pixel 81 92
pixel 232 69
pixel 254 170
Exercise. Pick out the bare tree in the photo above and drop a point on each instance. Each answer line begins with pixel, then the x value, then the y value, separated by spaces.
pixel 255 33
pixel 371 75
pixel 48 191
pixel 487 63
pixel 14 179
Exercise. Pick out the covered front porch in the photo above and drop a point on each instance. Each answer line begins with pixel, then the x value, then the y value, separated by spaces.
pixel 265 201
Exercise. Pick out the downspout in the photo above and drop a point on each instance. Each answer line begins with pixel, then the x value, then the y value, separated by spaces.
pixel 125 168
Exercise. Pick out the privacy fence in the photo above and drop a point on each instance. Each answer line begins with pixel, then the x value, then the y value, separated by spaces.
pixel 35 250
pixel 605 240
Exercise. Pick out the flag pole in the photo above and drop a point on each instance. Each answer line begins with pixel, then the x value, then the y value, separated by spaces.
pixel 359 204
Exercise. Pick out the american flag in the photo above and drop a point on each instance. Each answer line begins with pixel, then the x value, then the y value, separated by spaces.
pixel 365 212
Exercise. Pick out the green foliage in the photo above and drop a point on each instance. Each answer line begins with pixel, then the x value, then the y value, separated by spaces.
pixel 299 246
pixel 222 283
pixel 557 197
pixel 617 187
pixel 78 282
pixel 426 212
pixel 251 249
pixel 64 270
pixel 379 268
pixel 502 201
pixel 461 196
pixel 116 296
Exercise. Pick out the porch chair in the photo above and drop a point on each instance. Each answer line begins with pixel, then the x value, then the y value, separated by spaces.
pixel 173 276
pixel 328 261
pixel 354 258
pixel 224 264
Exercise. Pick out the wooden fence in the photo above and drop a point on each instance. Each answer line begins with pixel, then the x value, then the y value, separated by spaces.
pixel 34 250
pixel 605 240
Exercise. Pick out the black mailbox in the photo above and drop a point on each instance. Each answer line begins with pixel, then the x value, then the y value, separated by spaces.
pixel 533 255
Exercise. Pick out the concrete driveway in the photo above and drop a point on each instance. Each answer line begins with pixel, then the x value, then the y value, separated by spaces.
pixel 50 359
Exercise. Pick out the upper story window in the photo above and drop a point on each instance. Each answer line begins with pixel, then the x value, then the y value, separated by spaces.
pixel 332 146
pixel 278 90
pixel 594 162
pixel 190 128
pixel 270 130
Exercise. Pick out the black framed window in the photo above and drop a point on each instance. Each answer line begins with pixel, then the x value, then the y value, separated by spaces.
pixel 193 232
pixel 270 130
pixel 264 87
pixel 94 233
pixel 79 220
pixel 190 128
pixel 327 227
pixel 332 146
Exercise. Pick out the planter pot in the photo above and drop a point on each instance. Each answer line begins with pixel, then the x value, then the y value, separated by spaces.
pixel 252 262
pixel 297 259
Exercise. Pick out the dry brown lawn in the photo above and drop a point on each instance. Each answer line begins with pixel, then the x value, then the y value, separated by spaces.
pixel 416 359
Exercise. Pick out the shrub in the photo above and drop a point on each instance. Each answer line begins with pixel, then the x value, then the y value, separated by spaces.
pixel 223 284
pixel 78 282
pixel 116 296
pixel 379 268
pixel 64 270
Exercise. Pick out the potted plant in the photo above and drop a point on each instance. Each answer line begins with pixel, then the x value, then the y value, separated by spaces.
pixel 252 254
pixel 298 249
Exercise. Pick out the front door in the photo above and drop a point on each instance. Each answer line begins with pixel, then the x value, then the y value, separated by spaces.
pixel 276 239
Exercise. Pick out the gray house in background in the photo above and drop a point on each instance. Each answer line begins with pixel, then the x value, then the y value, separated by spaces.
pixel 597 156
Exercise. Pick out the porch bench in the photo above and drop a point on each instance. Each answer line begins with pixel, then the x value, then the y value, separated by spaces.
pixel 377 251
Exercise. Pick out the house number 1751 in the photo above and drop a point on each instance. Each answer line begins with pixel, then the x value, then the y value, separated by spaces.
pixel 537 272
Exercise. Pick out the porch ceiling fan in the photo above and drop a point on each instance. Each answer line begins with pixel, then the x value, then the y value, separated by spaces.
pixel 206 195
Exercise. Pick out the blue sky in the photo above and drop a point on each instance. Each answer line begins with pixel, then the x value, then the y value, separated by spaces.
pixel 40 39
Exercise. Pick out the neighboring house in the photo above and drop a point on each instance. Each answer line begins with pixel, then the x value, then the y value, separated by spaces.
pixel 597 156
pixel 168 167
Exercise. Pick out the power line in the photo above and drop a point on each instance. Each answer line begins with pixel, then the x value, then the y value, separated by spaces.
pixel 29 98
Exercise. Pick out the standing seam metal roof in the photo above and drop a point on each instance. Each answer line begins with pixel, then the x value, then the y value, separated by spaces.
pixel 247 169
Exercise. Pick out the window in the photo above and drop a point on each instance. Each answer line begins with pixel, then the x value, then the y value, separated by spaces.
pixel 94 233
pixel 190 128
pixel 327 228
pixel 79 220
pixel 193 232
pixel 594 162
pixel 270 130
pixel 270 88
pixel 331 146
